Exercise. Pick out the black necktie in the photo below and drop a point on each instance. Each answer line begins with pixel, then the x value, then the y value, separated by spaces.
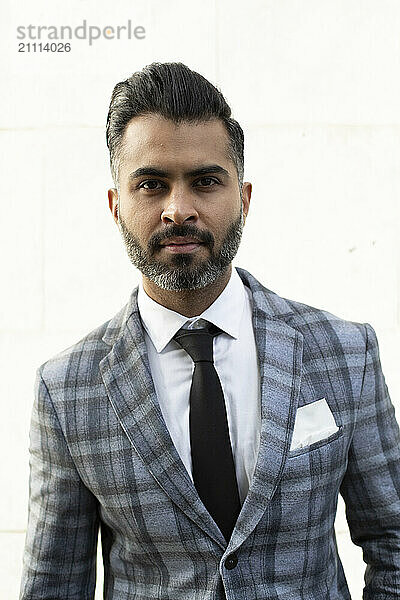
pixel 213 468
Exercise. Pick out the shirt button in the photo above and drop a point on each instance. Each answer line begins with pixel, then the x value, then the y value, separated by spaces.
pixel 231 562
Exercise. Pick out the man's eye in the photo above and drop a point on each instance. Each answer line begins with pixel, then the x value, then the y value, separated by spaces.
pixel 207 181
pixel 150 184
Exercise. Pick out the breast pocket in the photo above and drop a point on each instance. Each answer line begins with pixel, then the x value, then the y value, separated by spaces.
pixel 318 467
pixel 319 444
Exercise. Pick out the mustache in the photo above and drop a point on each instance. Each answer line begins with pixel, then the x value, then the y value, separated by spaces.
pixel 181 231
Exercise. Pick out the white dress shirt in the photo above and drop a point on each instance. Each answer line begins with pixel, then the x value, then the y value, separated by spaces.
pixel 235 360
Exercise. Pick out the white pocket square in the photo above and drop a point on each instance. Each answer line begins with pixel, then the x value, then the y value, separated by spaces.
pixel 314 422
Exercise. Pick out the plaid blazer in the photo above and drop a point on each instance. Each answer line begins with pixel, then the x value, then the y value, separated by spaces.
pixel 101 457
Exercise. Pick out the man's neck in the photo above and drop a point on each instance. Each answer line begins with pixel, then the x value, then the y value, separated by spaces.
pixel 189 303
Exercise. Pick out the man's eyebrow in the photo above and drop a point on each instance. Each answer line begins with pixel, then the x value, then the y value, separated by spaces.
pixel 205 170
pixel 208 169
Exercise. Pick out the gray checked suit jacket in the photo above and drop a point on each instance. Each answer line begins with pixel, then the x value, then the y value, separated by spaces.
pixel 101 457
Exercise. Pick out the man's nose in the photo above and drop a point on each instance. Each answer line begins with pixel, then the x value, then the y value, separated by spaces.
pixel 179 206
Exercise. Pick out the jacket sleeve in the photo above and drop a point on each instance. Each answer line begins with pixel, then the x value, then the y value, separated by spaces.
pixel 61 540
pixel 371 486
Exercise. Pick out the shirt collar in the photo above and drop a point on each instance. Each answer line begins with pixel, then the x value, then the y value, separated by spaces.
pixel 225 312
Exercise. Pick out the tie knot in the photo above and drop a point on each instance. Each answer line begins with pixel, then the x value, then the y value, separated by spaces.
pixel 198 343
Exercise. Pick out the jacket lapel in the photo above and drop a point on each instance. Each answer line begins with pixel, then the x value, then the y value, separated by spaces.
pixel 126 375
pixel 280 351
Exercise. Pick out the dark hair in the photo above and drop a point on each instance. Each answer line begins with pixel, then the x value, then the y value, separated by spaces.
pixel 175 92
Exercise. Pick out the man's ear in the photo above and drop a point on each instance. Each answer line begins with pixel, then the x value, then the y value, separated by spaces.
pixel 246 195
pixel 113 203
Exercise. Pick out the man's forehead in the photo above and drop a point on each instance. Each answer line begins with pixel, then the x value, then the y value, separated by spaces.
pixel 152 134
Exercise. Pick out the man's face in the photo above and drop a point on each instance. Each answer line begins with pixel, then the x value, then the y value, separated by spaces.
pixel 179 206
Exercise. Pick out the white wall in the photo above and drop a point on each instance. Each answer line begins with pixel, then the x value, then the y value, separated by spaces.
pixel 315 85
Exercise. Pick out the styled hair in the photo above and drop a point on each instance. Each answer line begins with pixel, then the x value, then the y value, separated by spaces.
pixel 175 92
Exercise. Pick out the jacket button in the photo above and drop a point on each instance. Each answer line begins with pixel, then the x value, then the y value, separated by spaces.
pixel 231 561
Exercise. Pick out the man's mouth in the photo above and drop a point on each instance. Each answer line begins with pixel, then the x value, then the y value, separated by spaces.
pixel 181 245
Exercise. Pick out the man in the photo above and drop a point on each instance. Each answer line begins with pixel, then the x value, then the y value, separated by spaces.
pixel 208 428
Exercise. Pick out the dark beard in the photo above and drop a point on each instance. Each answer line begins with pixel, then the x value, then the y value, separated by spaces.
pixel 183 272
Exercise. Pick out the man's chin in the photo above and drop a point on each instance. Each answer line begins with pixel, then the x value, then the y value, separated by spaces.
pixel 178 278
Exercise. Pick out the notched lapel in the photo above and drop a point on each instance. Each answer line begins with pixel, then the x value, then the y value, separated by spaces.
pixel 280 352
pixel 127 378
